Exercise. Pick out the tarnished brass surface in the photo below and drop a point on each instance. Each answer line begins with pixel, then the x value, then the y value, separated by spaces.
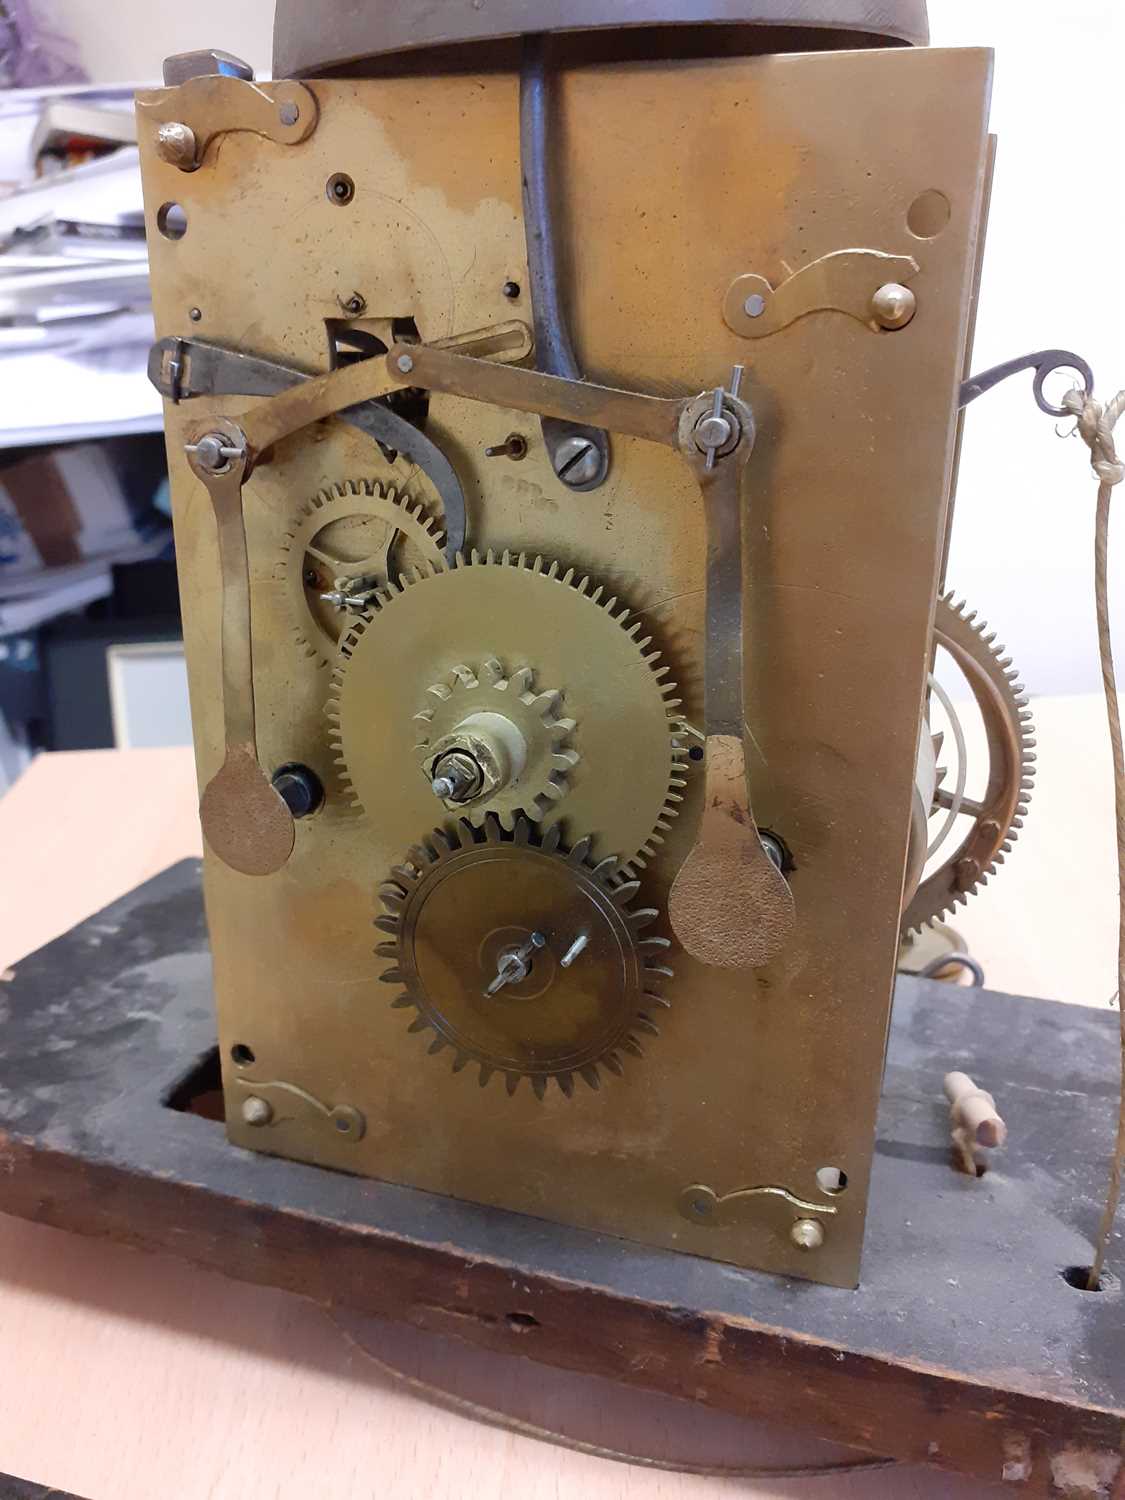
pixel 847 502
pixel 214 104
pixel 843 281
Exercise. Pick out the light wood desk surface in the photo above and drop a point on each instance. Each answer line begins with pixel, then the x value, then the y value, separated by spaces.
pixel 134 1375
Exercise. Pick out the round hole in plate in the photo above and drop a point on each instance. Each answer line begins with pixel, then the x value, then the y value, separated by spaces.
pixel 696 752
pixel 928 215
pixel 171 220
pixel 340 188
pixel 241 1054
pixel 831 1179
pixel 1077 1277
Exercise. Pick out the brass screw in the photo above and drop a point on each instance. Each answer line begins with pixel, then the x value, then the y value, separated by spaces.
pixel 807 1234
pixel 893 305
pixel 256 1111
pixel 175 143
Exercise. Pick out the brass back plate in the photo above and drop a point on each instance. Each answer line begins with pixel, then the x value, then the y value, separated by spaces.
pixel 672 180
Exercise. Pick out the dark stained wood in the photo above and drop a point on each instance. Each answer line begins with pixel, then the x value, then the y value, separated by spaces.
pixel 963 1347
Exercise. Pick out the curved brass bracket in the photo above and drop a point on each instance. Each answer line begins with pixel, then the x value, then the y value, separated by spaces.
pixel 700 1204
pixel 843 281
pixel 210 106
pixel 345 1119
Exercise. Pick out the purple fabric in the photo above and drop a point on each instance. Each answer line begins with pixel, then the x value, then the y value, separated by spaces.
pixel 30 55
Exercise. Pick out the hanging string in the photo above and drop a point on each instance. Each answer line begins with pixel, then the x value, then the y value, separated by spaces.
pixel 1095 426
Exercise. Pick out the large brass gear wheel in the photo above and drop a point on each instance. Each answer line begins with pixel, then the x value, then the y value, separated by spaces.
pixel 627 780
pixel 542 733
pixel 363 529
pixel 998 814
pixel 521 956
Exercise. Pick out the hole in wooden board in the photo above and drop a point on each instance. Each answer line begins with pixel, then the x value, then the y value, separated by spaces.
pixel 928 215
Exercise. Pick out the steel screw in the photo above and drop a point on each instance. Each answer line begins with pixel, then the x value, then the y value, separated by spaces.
pixel 354 305
pixel 257 1111
pixel 755 305
pixel 511 290
pixel 893 305
pixel 807 1234
pixel 195 314
pixel 213 452
pixel 577 460
pixel 175 143
pixel 405 363
pixel 289 113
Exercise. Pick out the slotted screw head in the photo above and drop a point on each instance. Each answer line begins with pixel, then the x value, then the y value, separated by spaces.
pixel 576 461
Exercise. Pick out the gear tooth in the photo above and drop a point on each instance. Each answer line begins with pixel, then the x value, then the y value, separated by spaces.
pixel 436 1045
pixel 643 917
pixel 664 972
pixel 403 1002
pixel 492 672
pixel 613 1063
pixel 521 680
pixel 553 572
pixel 392 899
pixel 539 1085
pixel 580 853
pixel 625 892
pixel 568 578
pixel 606 868
pixel 654 942
pixel 552 838
pixel 391 976
pixel 646 1023
pixel 486 1072
pixel 386 924
pixel 522 834
pixel 590 1075
pixel 565 1082
pixel 511 1083
pixel 491 828
pixel 419 1023
pixel 632 1046
pixel 548 701
pixel 460 1060
pixel 583 587
pixel 386 950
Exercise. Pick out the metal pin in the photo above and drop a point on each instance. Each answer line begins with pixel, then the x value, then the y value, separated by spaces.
pixel 574 950
pixel 515 965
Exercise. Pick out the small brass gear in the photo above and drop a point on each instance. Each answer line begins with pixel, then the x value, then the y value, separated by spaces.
pixel 521 956
pixel 363 530
pixel 627 779
pixel 998 815
pixel 537 726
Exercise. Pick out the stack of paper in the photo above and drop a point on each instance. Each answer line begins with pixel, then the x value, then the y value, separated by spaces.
pixel 75 311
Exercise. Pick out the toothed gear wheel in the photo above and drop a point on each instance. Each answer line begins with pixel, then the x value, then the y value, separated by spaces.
pixel 364 530
pixel 533 722
pixel 626 775
pixel 466 900
pixel 999 813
